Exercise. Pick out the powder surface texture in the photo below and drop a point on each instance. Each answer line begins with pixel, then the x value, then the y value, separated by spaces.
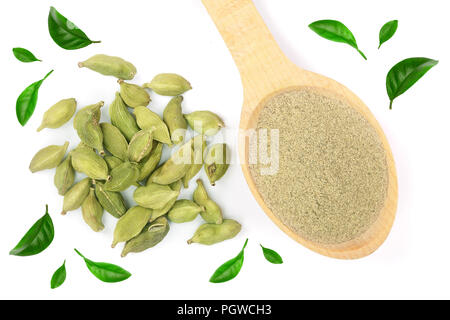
pixel 332 178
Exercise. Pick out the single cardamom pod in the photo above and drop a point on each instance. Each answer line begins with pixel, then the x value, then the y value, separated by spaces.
pixel 154 196
pixel 110 66
pixel 169 84
pixel 176 186
pixel 133 95
pixel 48 158
pixel 59 114
pixel 205 122
pixel 212 212
pixel 173 117
pixel 89 113
pixel 210 234
pixel 176 167
pixel 149 163
pixel 64 176
pixel 86 123
pixel 75 197
pixel 140 146
pixel 147 119
pixel 112 162
pixel 193 170
pixel 122 118
pixel 122 177
pixel 131 224
pixel 92 212
pixel 184 211
pixel 114 141
pixel 112 202
pixel 217 162
pixel 152 234
pixel 86 161
pixel 199 146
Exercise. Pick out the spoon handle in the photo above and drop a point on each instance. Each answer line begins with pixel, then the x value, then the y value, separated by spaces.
pixel 255 51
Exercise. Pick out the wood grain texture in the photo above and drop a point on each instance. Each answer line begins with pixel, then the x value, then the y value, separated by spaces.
pixel 265 72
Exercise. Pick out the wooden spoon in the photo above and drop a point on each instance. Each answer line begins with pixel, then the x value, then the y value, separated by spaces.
pixel 266 72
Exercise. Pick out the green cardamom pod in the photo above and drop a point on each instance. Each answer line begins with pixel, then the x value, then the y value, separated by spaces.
pixel 147 119
pixel 48 158
pixel 169 84
pixel 92 212
pixel 86 161
pixel 217 162
pixel 90 113
pixel 176 186
pixel 210 234
pixel 200 195
pixel 212 212
pixel 149 163
pixel 140 145
pixel 184 211
pixel 114 141
pixel 133 95
pixel 122 118
pixel 112 202
pixel 131 224
pixel 193 170
pixel 110 66
pixel 75 197
pixel 173 117
pixel 152 234
pixel 59 114
pixel 122 177
pixel 199 146
pixel 154 196
pixel 112 162
pixel 64 176
pixel 205 122
pixel 176 167
pixel 86 123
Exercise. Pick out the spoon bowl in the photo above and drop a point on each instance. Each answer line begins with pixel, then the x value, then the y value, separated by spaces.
pixel 266 72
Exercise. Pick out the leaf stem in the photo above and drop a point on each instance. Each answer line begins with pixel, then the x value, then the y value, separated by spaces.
pixel 361 53
pixel 245 244
pixel 48 74
pixel 79 253
pixel 390 104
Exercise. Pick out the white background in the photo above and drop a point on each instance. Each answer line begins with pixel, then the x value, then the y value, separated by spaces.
pixel 178 36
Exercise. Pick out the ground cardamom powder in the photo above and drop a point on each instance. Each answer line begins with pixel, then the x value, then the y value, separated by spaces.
pixel 333 176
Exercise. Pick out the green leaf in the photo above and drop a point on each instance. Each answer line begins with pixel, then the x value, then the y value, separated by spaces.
pixel 405 74
pixel 65 33
pixel 26 102
pixel 37 239
pixel 24 55
pixel 59 276
pixel 388 31
pixel 272 256
pixel 106 272
pixel 335 31
pixel 230 269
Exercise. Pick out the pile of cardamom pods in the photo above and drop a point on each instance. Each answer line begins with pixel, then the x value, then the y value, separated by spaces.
pixel 127 152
